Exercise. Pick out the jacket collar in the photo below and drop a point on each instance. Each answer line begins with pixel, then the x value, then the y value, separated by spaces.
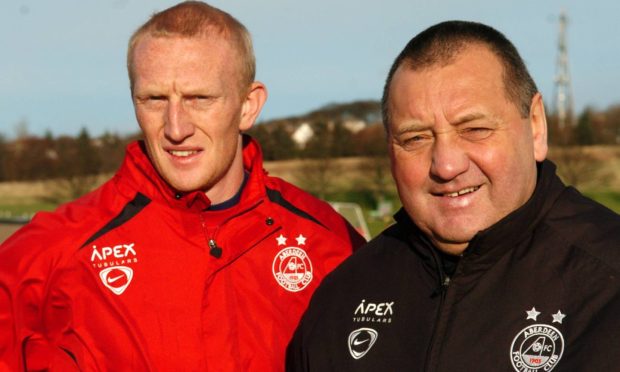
pixel 489 245
pixel 518 225
pixel 137 174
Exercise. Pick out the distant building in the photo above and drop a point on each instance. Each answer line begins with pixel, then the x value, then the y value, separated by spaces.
pixel 354 126
pixel 302 135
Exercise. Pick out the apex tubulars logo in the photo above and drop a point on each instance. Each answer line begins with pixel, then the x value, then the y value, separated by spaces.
pixel 361 340
pixel 112 256
pixel 116 274
pixel 537 347
pixel 291 267
pixel 374 312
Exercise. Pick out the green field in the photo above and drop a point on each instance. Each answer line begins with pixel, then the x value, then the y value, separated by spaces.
pixel 610 199
pixel 27 208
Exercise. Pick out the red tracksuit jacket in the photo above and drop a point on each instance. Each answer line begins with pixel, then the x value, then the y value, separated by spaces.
pixel 136 277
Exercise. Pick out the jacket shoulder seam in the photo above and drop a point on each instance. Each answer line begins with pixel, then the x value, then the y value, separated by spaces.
pixel 276 197
pixel 130 210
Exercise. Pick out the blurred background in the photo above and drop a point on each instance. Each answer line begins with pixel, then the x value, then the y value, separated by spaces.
pixel 66 114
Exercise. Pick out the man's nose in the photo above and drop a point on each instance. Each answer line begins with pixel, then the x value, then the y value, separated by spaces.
pixel 178 124
pixel 448 159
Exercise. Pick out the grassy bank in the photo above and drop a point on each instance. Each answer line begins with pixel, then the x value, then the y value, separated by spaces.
pixel 593 170
pixel 609 198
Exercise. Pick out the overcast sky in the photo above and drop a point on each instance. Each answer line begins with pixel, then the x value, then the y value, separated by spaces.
pixel 62 62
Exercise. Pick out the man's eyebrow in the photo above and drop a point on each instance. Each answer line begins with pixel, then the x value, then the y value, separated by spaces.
pixel 413 126
pixel 469 117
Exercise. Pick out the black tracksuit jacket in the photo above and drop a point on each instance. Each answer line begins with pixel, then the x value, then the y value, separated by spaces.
pixel 537 291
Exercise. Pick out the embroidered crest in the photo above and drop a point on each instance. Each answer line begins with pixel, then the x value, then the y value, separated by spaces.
pixel 291 266
pixel 538 347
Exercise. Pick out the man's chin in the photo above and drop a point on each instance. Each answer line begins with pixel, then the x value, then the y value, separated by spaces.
pixel 185 185
pixel 455 249
pixel 453 242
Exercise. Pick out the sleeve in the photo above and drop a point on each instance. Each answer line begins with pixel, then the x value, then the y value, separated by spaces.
pixel 25 266
pixel 296 358
pixel 304 352
pixel 356 239
pixel 17 291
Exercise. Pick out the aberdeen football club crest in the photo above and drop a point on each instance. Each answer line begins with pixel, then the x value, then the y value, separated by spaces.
pixel 291 266
pixel 538 347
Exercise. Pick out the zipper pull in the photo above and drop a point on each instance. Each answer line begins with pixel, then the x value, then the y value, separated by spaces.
pixel 214 250
pixel 446 282
pixel 442 288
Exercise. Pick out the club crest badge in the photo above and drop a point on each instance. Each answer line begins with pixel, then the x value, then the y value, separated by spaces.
pixel 537 347
pixel 291 267
pixel 116 278
pixel 361 340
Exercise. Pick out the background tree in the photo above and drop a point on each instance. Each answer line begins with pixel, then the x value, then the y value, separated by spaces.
pixel 3 158
pixel 262 134
pixel 341 141
pixel 583 133
pixel 318 146
pixel 318 174
pixel 607 127
pixel 110 152
pixel 81 166
pixel 372 144
pixel 275 140
pixel 31 159
pixel 282 145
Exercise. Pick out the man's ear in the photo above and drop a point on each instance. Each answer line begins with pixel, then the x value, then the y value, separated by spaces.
pixel 252 105
pixel 538 122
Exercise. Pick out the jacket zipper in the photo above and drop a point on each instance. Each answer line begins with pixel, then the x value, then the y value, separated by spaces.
pixel 214 249
pixel 439 325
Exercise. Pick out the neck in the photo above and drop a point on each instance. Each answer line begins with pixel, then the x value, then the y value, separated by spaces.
pixel 229 184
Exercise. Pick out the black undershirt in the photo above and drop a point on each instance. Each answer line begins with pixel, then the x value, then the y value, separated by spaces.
pixel 232 201
pixel 449 262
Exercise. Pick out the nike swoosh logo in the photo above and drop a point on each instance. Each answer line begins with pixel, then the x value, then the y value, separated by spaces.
pixel 357 342
pixel 112 280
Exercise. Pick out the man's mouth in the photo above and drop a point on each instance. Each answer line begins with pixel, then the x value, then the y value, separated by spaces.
pixel 464 191
pixel 182 153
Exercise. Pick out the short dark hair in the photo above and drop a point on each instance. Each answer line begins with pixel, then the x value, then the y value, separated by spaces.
pixel 441 43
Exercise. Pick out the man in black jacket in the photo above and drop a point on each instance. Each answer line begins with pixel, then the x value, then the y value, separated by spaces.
pixel 493 264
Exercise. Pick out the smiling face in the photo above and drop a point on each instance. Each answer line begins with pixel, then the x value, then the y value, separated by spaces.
pixel 190 107
pixel 462 156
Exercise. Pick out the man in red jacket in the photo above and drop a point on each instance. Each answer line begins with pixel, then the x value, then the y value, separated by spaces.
pixel 190 257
